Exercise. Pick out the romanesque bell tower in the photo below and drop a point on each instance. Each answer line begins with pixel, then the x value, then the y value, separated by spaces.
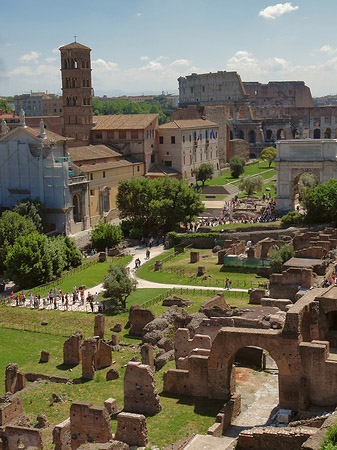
pixel 76 92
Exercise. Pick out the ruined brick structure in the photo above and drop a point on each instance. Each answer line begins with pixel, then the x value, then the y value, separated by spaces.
pixel 88 351
pixel 147 355
pixel 99 326
pixel 138 318
pixel 88 423
pixel 14 379
pixel 10 409
pixel 72 349
pixel 140 392
pixel 301 350
pixel 132 429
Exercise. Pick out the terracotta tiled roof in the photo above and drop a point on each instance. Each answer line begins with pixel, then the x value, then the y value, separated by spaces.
pixel 124 121
pixel 74 45
pixel 87 168
pixel 187 124
pixel 49 134
pixel 8 116
pixel 92 152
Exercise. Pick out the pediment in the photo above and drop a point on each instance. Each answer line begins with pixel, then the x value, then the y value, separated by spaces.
pixel 18 133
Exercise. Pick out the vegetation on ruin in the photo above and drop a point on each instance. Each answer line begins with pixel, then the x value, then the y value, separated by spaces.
pixel 279 257
pixel 105 235
pixel 204 172
pixel 177 269
pixel 159 105
pixel 320 203
pixel 156 206
pixel 250 184
pixel 330 441
pixel 237 166
pixel 118 284
pixel 269 153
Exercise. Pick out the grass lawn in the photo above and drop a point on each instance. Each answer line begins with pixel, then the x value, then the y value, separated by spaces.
pixel 180 271
pixel 91 276
pixel 180 416
pixel 270 185
pixel 250 169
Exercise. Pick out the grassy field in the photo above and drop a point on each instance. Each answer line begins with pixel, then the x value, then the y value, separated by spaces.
pixel 180 271
pixel 250 169
pixel 180 416
pixel 90 277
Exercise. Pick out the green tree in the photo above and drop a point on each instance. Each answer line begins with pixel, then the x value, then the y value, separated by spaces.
pixel 118 285
pixel 28 262
pixel 292 218
pixel 306 181
pixel 12 226
pixel 204 172
pixel 157 205
pixel 269 153
pixel 105 235
pixel 280 256
pixel 33 209
pixel 5 106
pixel 237 166
pixel 250 184
pixel 73 255
pixel 320 203
pixel 58 255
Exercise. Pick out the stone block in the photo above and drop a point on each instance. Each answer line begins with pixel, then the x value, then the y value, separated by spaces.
pixel 194 257
pixel 111 406
pixel 88 351
pixel 201 271
pixel 45 356
pixel 14 379
pixel 112 374
pixel 11 409
pixel 256 295
pixel 132 429
pixel 138 318
pixel 72 349
pixel 146 352
pixel 103 355
pixel 114 339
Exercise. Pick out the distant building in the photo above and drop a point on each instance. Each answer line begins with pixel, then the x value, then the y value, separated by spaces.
pixel 185 144
pixel 38 104
pixel 11 119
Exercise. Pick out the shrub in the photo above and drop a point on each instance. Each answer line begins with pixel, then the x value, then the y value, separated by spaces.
pixel 237 166
pixel 105 235
pixel 279 257
pixel 251 184
pixel 292 218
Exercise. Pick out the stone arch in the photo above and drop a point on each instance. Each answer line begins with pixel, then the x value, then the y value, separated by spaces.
pixel 299 173
pixel 296 133
pixel 240 134
pixel 317 133
pixel 77 208
pixel 280 134
pixel 269 135
pixel 252 137
pixel 285 354
pixel 327 133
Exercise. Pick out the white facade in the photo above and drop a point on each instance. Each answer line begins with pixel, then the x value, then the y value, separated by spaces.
pixel 35 167
pixel 185 144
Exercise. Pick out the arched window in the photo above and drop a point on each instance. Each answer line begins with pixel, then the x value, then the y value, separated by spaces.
pixel 327 133
pixel 252 137
pixel 317 133
pixel 269 135
pixel 76 208
pixel 280 134
pixel 240 134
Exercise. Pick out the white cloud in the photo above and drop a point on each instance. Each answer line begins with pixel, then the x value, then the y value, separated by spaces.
pixel 271 12
pixel 30 57
pixel 102 65
pixel 181 62
pixel 328 49
pixel 138 14
pixel 152 66
pixel 56 50
pixel 49 60
pixel 144 58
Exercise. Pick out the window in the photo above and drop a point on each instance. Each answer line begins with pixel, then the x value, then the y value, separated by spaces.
pixel 183 138
pixel 138 169
pixel 92 192
pixel 98 135
pixel 168 163
pixel 134 134
pixel 153 158
pixel 173 139
pixel 161 139
pixel 122 134
pixel 190 138
pixel 110 134
pixel 167 153
pixel 103 173
pixel 191 90
pixel 203 89
pixel 91 176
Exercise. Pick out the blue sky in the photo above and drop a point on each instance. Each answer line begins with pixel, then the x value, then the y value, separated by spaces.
pixel 143 46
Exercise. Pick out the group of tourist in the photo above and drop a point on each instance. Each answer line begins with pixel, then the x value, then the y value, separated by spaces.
pixel 55 297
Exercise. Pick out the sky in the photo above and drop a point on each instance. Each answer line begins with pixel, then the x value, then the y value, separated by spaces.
pixel 143 46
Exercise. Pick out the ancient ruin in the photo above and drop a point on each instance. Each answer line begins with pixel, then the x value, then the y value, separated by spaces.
pixel 72 349
pixel 132 429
